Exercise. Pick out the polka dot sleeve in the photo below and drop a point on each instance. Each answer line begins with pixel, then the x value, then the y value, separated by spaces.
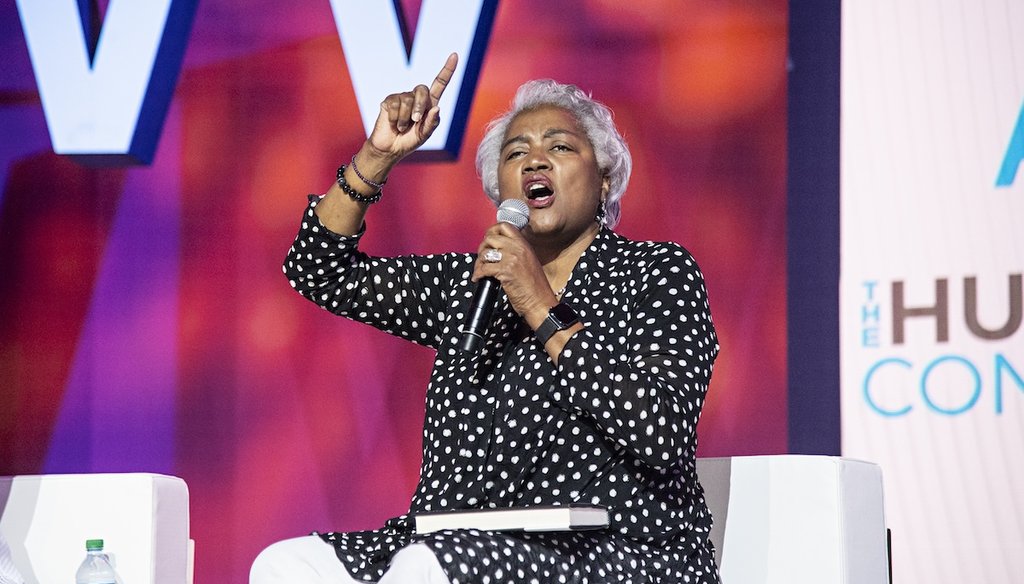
pixel 404 296
pixel 643 378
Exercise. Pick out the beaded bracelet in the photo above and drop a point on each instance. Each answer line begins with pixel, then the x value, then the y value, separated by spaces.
pixel 354 194
pixel 377 185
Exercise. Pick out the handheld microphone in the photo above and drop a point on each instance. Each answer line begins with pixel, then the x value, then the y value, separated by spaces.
pixel 515 212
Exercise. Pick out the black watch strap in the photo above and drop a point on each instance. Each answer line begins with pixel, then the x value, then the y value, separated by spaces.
pixel 560 317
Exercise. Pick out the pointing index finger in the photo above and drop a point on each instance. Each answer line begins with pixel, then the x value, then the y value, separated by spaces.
pixel 442 79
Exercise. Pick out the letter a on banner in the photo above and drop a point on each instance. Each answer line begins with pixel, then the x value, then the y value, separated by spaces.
pixel 110 105
pixel 380 63
pixel 1014 154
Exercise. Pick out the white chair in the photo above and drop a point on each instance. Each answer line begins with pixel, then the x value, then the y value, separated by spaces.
pixel 796 519
pixel 142 518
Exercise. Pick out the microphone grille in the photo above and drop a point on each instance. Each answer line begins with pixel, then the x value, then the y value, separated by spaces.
pixel 515 212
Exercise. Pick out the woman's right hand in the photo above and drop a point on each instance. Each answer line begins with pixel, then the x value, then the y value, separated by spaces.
pixel 406 120
pixel 404 123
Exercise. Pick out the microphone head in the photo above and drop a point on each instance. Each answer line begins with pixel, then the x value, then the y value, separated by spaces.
pixel 515 212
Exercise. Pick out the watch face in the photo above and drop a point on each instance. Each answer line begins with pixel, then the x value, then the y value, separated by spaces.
pixel 565 315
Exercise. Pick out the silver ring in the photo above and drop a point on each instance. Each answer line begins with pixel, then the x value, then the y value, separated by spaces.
pixel 492 256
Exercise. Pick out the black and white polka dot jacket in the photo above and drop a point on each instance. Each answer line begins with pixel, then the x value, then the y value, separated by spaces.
pixel 614 423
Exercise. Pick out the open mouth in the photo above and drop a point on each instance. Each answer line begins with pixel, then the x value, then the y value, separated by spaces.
pixel 539 195
pixel 539 191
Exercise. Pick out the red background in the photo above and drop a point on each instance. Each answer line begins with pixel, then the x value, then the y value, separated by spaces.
pixel 145 324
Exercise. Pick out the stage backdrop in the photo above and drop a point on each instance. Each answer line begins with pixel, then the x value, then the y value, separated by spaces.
pixel 145 324
pixel 932 260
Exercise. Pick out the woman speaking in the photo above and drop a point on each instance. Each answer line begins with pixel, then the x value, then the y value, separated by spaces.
pixel 587 384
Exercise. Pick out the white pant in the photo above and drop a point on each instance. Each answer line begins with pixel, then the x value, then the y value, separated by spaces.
pixel 311 560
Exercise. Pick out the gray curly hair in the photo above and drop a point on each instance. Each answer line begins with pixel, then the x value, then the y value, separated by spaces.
pixel 610 148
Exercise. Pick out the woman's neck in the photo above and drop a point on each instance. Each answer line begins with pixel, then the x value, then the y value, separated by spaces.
pixel 559 259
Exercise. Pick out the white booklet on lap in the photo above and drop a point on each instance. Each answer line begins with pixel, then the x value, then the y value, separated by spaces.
pixel 539 518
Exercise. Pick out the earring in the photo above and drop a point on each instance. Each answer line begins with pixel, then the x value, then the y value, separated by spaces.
pixel 602 214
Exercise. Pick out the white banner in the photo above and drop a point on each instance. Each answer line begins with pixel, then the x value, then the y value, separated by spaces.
pixel 932 345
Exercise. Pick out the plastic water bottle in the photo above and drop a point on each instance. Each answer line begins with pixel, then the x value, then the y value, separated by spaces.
pixel 96 567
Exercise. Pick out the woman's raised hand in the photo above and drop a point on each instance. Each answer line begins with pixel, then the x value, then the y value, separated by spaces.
pixel 404 123
pixel 407 120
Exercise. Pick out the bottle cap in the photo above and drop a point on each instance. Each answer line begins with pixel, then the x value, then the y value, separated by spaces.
pixel 93 545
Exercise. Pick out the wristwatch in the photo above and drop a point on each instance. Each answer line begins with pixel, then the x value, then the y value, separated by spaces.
pixel 560 317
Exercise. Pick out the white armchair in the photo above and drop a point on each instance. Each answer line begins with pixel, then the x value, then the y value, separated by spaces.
pixel 142 518
pixel 796 519
pixel 784 519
